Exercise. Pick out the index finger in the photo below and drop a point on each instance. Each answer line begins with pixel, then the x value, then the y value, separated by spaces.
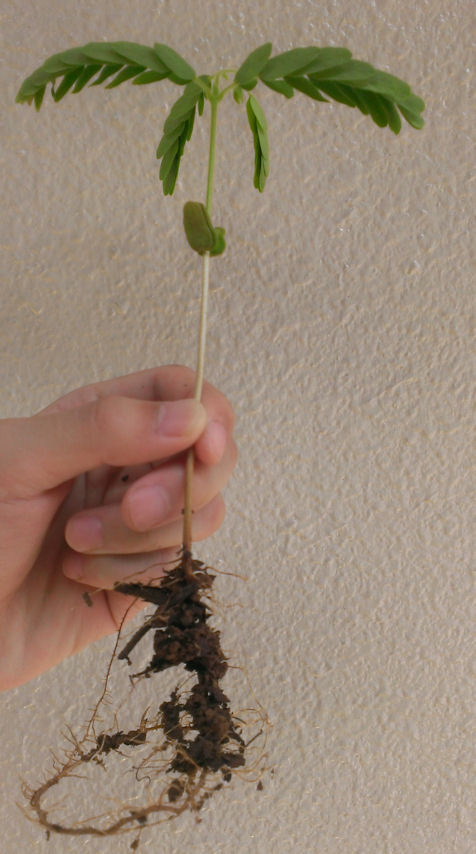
pixel 167 382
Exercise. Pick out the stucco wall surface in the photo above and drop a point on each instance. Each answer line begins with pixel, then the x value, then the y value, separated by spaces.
pixel 340 329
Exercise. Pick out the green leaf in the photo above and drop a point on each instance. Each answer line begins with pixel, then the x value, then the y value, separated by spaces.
pixel 190 123
pixel 412 118
pixel 258 112
pixel 55 64
pixel 85 76
pixel 125 74
pixel 339 93
pixel 107 71
pixel 139 54
pixel 67 82
pixel 168 140
pixel 238 94
pixel 290 62
pixel 149 77
pixel 354 72
pixel 329 57
pixel 182 107
pixel 29 87
pixel 102 52
pixel 38 97
pixel 258 125
pixel 303 84
pixel 253 64
pixel 171 179
pixel 281 86
pixel 387 84
pixel 74 56
pixel 168 159
pixel 412 103
pixel 174 62
pixel 374 105
pixel 393 119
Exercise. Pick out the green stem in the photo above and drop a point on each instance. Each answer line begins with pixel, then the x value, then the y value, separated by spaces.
pixel 187 512
pixel 211 155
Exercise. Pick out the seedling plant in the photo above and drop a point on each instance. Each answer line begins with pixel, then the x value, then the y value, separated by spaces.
pixel 195 742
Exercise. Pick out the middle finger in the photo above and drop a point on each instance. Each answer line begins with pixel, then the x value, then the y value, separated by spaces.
pixel 149 504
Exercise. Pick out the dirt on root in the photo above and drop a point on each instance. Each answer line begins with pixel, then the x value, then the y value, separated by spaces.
pixel 210 739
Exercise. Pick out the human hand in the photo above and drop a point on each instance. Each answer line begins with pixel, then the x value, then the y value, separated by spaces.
pixel 79 469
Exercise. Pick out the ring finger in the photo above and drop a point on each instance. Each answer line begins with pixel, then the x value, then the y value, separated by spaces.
pixel 142 521
pixel 103 571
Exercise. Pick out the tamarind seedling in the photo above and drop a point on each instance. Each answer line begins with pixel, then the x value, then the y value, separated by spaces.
pixel 195 742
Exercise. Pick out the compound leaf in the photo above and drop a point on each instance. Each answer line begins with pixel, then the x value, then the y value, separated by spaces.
pixel 126 60
pixel 332 71
pixel 178 129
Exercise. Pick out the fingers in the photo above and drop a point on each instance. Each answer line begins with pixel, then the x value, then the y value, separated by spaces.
pixel 142 520
pixel 39 453
pixel 103 571
pixel 170 382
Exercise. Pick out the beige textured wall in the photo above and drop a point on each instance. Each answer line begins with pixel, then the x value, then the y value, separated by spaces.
pixel 340 329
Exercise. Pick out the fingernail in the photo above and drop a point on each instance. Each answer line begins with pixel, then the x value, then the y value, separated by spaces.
pixel 148 507
pixel 216 438
pixel 73 566
pixel 180 416
pixel 85 533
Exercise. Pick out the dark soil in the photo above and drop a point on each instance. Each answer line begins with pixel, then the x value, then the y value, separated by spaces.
pixel 201 727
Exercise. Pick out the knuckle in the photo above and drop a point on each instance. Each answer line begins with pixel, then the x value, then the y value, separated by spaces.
pixel 216 402
pixel 108 416
pixel 14 462
pixel 104 413
pixel 178 375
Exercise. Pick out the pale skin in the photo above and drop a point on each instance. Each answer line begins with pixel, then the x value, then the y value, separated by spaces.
pixel 77 470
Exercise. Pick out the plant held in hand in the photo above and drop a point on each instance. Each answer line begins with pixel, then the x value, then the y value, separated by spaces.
pixel 202 739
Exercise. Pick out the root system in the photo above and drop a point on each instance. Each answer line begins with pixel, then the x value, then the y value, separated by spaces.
pixel 190 746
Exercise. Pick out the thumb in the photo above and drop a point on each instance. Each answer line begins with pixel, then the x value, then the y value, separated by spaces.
pixel 40 452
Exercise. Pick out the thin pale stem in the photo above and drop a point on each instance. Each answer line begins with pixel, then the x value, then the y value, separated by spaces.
pixel 187 512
